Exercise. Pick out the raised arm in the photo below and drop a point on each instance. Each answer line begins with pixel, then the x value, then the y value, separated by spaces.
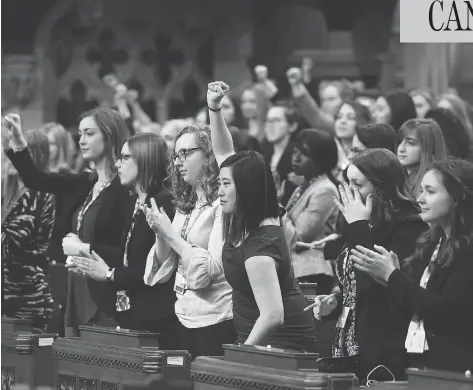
pixel 222 141
pixel 32 177
pixel 306 103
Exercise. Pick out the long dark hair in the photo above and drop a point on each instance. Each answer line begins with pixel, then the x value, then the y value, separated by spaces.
pixel 150 153
pixel 256 193
pixel 457 177
pixel 184 195
pixel 391 197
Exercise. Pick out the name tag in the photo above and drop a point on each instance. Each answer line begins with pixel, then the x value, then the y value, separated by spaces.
pixel 416 341
pixel 342 319
pixel 180 285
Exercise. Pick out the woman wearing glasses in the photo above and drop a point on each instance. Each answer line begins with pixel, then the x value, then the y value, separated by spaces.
pixel 94 206
pixel 192 245
pixel 141 169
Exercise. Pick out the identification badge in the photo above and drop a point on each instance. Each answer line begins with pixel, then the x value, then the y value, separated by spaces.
pixel 342 319
pixel 416 343
pixel 180 284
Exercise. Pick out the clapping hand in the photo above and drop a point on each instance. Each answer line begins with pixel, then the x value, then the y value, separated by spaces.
pixel 379 264
pixel 157 219
pixel 90 265
pixel 351 204
pixel 72 245
pixel 215 93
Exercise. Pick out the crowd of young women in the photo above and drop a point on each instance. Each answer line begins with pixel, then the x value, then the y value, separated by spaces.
pixel 198 236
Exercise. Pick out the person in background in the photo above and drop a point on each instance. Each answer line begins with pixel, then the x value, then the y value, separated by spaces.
pixel 27 225
pixel 267 302
pixel 60 153
pixel 171 129
pixel 395 108
pixel 96 207
pixel 349 117
pixel 142 169
pixel 457 106
pixel 281 124
pixel 192 245
pixel 440 334
pixel 377 210
pixel 311 212
pixel 374 135
pixel 332 95
pixel 454 133
pixel 421 142
pixel 423 100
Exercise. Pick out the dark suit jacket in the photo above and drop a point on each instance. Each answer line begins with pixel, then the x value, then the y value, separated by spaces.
pixel 283 168
pixel 446 306
pixel 147 303
pixel 73 189
pixel 381 328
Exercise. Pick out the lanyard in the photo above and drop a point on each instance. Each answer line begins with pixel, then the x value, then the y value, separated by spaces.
pixel 185 232
pixel 87 203
pixel 138 207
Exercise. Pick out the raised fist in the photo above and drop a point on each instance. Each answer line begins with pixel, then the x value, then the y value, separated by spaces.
pixel 215 93
pixel 12 123
pixel 261 72
pixel 294 76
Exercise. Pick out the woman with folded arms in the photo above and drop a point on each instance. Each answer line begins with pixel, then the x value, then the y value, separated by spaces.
pixel 192 246
pixel 268 305
pixel 95 206
pixel 440 333
pixel 142 169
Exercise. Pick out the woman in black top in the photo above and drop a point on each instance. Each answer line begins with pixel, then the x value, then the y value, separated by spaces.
pixel 142 169
pixel 95 206
pixel 440 306
pixel 268 305
pixel 377 210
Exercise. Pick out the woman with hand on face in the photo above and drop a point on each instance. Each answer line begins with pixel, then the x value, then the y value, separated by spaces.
pixel 268 305
pixel 377 209
pixel 436 285
pixel 141 169
pixel 192 245
pixel 95 207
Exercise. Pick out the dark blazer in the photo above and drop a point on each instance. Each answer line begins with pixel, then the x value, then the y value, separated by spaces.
pixel 283 168
pixel 73 189
pixel 147 303
pixel 446 306
pixel 381 329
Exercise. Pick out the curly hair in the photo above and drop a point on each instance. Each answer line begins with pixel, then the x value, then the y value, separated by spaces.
pixel 184 195
pixel 457 177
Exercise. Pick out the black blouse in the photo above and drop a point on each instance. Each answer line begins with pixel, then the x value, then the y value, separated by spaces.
pixel 298 331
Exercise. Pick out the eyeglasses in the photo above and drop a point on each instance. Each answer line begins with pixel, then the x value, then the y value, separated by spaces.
pixel 183 154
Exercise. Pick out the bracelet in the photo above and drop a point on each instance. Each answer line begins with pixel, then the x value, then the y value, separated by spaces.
pixel 214 110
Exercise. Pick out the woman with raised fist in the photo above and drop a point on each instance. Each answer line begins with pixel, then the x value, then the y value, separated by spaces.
pixel 268 305
pixel 94 205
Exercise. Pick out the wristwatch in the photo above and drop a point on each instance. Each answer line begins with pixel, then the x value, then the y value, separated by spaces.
pixel 110 273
